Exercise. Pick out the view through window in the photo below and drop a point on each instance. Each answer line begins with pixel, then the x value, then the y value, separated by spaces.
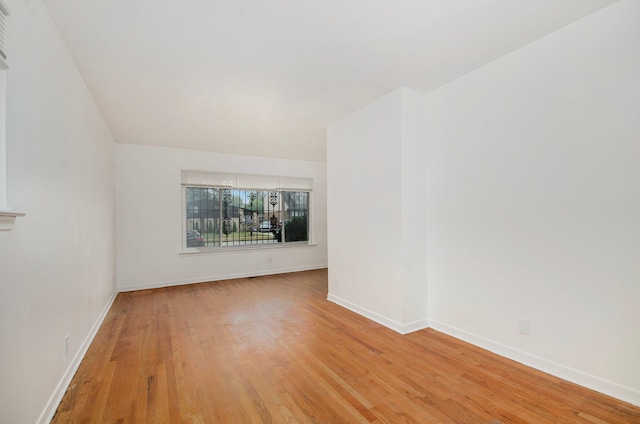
pixel 226 217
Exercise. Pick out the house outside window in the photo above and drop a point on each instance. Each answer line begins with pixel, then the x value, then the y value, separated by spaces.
pixel 244 211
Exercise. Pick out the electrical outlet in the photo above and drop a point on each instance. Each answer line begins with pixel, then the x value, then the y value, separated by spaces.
pixel 270 259
pixel 336 283
pixel 524 327
pixel 66 344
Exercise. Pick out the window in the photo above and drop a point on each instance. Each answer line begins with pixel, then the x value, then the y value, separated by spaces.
pixel 236 211
pixel 7 218
pixel 4 12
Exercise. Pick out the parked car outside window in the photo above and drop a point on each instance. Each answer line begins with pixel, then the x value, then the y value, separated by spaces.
pixel 265 227
pixel 194 238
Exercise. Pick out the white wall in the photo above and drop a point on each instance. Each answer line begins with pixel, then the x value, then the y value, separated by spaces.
pixel 413 220
pixel 149 216
pixel 522 179
pixel 363 211
pixel 57 266
pixel 533 203
pixel 376 226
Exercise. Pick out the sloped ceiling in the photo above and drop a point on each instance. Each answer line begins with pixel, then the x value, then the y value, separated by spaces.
pixel 266 77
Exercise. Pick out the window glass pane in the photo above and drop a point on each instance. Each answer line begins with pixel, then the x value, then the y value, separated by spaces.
pixel 256 211
pixel 242 212
pixel 202 216
pixel 297 215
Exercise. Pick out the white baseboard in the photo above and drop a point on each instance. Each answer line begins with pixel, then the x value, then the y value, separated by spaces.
pixel 52 405
pixel 610 388
pixel 380 319
pixel 218 277
pixel 373 316
pixel 589 381
pixel 415 326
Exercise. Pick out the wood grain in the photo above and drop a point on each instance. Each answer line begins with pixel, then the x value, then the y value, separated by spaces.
pixel 274 350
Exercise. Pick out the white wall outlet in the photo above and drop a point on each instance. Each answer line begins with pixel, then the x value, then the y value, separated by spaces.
pixel 524 327
pixel 270 259
pixel 66 344
pixel 336 283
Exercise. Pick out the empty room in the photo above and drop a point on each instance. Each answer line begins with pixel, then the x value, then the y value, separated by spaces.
pixel 319 212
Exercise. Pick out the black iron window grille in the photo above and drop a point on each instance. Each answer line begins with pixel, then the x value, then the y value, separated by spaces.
pixel 218 217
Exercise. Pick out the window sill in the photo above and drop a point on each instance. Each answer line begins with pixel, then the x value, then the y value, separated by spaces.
pixel 239 249
pixel 8 219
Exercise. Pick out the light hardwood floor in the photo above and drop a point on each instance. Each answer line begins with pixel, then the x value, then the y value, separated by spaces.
pixel 274 350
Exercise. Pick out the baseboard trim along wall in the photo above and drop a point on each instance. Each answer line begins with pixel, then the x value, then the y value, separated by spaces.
pixel 415 326
pixel 610 388
pixel 373 316
pixel 219 277
pixel 54 401
pixel 589 381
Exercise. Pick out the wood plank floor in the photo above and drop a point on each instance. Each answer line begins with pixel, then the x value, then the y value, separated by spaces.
pixel 274 350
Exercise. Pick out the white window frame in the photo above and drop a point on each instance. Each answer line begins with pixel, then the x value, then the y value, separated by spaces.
pixel 7 217
pixel 250 182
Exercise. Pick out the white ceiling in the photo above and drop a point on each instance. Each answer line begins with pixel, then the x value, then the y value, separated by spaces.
pixel 265 77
